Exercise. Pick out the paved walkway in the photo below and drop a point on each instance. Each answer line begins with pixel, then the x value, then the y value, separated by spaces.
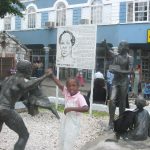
pixel 101 144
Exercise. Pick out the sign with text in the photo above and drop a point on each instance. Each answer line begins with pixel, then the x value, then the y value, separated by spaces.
pixel 148 36
pixel 76 47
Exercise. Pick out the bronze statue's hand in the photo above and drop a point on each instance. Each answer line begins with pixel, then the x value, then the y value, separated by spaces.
pixel 49 72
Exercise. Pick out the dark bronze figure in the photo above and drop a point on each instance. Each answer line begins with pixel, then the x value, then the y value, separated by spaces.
pixel 12 89
pixel 134 125
pixel 35 98
pixel 121 68
pixel 141 130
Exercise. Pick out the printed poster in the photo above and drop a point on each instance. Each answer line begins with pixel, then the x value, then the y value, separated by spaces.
pixel 76 47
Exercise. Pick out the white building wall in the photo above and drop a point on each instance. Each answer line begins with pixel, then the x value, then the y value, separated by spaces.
pixel 85 13
pixel 107 14
pixel 115 11
pixel 38 20
pixel 13 23
pixel 52 16
pixel 110 15
pixel 69 17
pixel 23 22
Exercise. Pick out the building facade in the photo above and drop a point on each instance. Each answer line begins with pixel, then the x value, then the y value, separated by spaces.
pixel 116 20
pixel 11 51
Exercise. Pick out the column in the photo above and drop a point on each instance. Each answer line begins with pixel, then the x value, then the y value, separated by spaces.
pixel 46 57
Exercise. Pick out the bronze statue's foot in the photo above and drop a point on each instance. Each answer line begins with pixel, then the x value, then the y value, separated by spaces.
pixel 58 117
pixel 111 125
pixel 108 128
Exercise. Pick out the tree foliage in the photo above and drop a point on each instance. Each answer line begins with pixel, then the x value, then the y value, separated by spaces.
pixel 11 7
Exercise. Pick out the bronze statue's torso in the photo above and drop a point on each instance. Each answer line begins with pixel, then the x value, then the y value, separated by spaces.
pixel 11 91
pixel 123 62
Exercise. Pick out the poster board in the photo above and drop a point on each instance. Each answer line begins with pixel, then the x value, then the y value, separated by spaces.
pixel 76 47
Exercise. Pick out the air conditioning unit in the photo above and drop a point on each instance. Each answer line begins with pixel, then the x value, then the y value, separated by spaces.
pixel 84 21
pixel 49 24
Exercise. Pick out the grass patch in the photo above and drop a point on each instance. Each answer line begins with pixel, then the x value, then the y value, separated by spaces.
pixel 94 113
pixel 60 108
pixel 99 113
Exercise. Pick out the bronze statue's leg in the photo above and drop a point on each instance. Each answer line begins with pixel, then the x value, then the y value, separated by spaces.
pixel 1 125
pixel 14 121
pixel 45 103
pixel 53 110
pixel 122 101
pixel 112 106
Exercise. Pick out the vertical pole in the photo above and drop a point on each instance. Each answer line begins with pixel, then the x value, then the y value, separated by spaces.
pixel 57 90
pixel 46 57
pixel 91 95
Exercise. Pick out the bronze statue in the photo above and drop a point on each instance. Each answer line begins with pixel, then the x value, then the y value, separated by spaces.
pixel 134 125
pixel 121 68
pixel 35 98
pixel 141 130
pixel 12 89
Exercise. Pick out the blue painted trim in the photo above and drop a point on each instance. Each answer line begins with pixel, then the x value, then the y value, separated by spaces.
pixel 41 36
pixel 44 18
pixel 17 23
pixel 122 13
pixel 76 16
pixel 50 3
pixel 42 3
pixel 132 33
pixel 72 2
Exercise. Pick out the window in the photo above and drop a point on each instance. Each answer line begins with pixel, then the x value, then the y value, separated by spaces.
pixel 61 14
pixel 31 17
pixel 138 11
pixel 141 11
pixel 7 23
pixel 130 12
pixel 96 12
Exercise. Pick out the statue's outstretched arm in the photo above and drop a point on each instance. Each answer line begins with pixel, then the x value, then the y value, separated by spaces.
pixel 30 84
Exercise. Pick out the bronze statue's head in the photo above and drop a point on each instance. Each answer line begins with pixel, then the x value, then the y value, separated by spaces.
pixel 24 67
pixel 123 47
pixel 140 102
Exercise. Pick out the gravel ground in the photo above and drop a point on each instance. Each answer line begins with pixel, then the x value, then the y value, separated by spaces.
pixel 44 131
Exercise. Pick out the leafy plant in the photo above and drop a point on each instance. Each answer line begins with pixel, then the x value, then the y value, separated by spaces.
pixel 11 7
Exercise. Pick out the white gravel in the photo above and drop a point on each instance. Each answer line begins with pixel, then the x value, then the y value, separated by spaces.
pixel 44 131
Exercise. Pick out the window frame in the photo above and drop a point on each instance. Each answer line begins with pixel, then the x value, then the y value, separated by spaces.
pixel 96 8
pixel 61 14
pixel 138 11
pixel 7 23
pixel 31 21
